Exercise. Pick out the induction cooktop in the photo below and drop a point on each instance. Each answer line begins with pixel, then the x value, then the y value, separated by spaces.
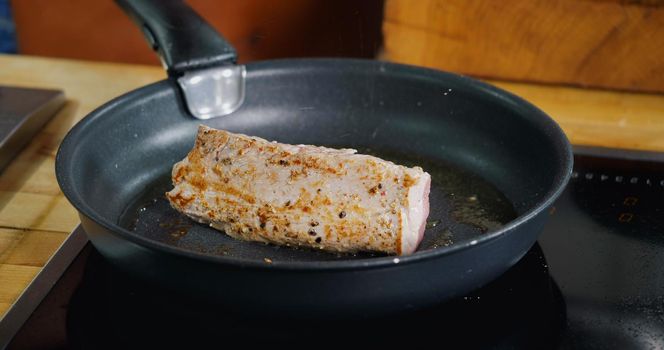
pixel 594 280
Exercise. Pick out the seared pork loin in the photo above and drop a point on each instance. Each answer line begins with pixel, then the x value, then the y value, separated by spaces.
pixel 301 195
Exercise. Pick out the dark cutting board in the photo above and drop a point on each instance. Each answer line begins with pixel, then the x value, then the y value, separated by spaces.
pixel 23 112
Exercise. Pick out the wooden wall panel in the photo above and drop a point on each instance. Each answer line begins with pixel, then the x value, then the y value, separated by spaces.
pixel 599 43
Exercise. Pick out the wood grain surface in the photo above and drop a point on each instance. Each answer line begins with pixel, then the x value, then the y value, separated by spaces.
pixel 35 217
pixel 608 43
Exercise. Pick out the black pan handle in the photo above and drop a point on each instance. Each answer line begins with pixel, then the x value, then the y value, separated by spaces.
pixel 183 40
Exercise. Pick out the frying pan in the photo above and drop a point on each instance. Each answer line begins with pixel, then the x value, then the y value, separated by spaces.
pixel 497 162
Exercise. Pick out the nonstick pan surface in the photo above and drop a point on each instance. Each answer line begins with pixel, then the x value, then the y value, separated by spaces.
pixel 484 174
pixel 464 207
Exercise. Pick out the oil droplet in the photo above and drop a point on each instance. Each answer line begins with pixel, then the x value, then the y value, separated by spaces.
pixel 432 223
pixel 444 239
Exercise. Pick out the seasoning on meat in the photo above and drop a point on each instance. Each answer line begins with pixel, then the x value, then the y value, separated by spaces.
pixel 300 195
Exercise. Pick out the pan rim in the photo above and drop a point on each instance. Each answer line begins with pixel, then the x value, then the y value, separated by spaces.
pixel 545 123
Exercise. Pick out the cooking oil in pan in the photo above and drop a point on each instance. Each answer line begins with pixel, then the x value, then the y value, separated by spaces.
pixel 463 206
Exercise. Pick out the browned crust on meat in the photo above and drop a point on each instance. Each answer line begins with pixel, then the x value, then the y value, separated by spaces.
pixel 178 199
pixel 399 235
pixel 408 181
pixel 217 170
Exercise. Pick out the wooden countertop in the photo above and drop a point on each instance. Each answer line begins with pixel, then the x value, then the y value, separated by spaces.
pixel 35 217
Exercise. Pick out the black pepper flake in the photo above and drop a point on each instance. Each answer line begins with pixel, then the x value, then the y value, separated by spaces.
pixel 314 223
pixel 287 203
pixel 380 186
pixel 312 233
pixel 318 239
pixel 283 162
pixel 342 214
pixel 262 225
pixel 318 190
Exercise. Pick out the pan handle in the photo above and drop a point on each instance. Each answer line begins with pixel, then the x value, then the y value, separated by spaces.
pixel 202 62
pixel 183 40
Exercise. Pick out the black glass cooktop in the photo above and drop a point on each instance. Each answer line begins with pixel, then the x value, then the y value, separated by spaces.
pixel 595 280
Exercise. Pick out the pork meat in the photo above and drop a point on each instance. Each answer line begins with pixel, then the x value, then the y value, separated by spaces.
pixel 301 195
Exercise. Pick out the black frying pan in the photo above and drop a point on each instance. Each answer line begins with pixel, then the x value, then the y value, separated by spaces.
pixel 497 163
